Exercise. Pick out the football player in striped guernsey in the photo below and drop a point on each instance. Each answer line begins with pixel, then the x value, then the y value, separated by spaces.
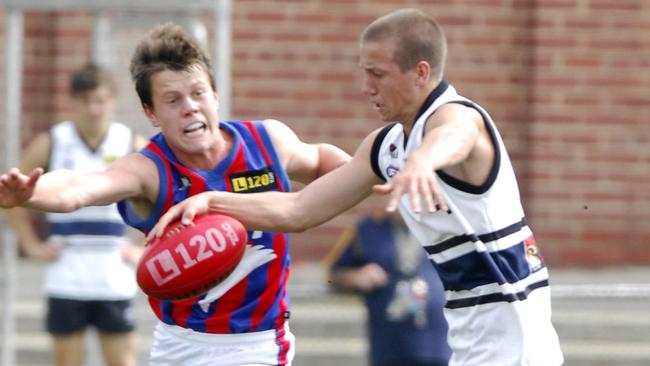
pixel 247 323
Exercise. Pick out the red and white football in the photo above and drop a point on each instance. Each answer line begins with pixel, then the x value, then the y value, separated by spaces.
pixel 189 260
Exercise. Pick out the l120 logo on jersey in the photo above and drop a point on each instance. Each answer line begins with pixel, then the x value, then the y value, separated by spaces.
pixel 260 180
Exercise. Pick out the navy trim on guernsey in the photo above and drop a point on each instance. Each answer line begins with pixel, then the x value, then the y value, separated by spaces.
pixel 376 145
pixel 492 176
pixel 485 238
pixel 87 228
pixel 484 268
pixel 431 98
pixel 479 266
pixel 497 297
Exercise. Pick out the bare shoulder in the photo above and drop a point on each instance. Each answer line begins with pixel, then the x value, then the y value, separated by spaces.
pixel 278 130
pixel 136 164
pixel 453 113
pixel 138 172
pixel 285 141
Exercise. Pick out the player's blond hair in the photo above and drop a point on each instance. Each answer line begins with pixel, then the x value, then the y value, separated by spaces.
pixel 165 47
pixel 417 36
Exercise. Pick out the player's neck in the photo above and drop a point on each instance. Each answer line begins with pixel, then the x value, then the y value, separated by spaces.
pixel 92 132
pixel 210 157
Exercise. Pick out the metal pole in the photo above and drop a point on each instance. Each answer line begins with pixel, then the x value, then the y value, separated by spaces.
pixel 222 53
pixel 13 80
pixel 101 43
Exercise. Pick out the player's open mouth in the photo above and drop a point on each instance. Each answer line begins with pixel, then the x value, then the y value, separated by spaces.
pixel 378 106
pixel 195 127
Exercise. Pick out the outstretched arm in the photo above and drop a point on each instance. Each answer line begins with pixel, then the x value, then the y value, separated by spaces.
pixel 65 191
pixel 315 204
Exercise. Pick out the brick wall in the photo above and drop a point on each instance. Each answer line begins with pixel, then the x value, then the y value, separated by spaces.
pixel 589 152
pixel 565 80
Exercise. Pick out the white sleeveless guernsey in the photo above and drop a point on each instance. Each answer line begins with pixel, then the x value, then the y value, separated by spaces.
pixel 498 297
pixel 90 266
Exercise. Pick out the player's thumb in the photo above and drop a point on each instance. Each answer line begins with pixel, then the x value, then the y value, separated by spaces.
pixel 382 188
pixel 188 216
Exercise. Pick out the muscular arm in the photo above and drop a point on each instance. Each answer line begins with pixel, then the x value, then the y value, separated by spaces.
pixel 315 204
pixel 303 162
pixel 65 191
pixel 455 141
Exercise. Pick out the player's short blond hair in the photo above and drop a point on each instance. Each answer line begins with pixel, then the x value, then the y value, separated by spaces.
pixel 417 36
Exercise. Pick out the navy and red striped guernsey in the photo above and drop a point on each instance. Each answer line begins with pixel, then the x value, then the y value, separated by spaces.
pixel 259 302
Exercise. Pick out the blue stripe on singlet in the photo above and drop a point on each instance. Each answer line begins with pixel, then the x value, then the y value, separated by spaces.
pixel 485 238
pixel 480 268
pixel 87 228
pixel 495 297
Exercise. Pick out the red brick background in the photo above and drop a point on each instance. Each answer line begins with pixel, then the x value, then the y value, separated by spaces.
pixel 566 81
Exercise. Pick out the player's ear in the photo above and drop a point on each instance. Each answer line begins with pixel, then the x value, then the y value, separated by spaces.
pixel 148 111
pixel 423 72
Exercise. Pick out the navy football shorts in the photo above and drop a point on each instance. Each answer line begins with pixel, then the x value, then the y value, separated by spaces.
pixel 66 316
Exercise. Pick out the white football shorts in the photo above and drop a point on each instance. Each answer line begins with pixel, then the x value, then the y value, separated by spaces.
pixel 177 346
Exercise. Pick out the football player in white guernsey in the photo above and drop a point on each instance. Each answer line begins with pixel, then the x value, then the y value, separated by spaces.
pixel 443 164
pixel 89 279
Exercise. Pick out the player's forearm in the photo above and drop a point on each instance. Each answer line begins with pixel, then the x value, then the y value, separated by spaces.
pixel 345 278
pixel 268 211
pixel 298 211
pixel 59 191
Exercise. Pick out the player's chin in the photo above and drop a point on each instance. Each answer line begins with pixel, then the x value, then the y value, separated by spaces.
pixel 195 145
pixel 385 117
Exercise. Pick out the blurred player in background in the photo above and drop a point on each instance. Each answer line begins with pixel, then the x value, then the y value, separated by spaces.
pixel 89 280
pixel 195 152
pixel 440 159
pixel 381 260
